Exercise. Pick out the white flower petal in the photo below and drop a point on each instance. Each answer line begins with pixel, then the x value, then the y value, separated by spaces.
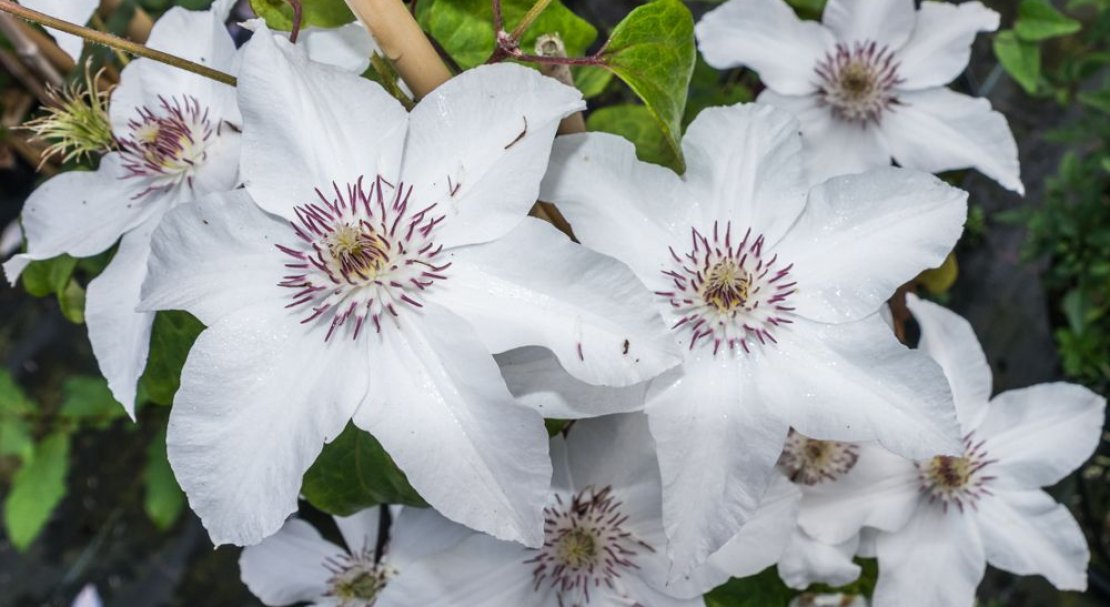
pixel 642 593
pixel 260 395
pixel 857 382
pixel 442 411
pixel 717 444
pixel 832 147
pixel 83 213
pixel 215 256
pixel 863 236
pixel 289 566
pixel 745 165
pixel 1042 433
pixel 939 49
pixel 768 37
pixel 120 336
pixel 1027 532
pixel 888 22
pixel 807 561
pixel 307 125
pixel 88 597
pixel 938 130
pixel 937 560
pixel 360 530
pixel 478 146
pixel 480 571
pixel 421 532
pixel 757 546
pixel 616 451
pixel 77 12
pixel 534 286
pixel 949 339
pixel 199 36
pixel 536 379
pixel 347 47
pixel 618 205
pixel 880 491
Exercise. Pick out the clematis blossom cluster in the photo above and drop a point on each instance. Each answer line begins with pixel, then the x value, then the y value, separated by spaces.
pixel 716 346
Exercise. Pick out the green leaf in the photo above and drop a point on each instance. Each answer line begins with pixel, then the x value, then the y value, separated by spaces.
pixel 808 9
pixel 163 499
pixel 1099 100
pixel 48 276
pixel 764 589
pixel 591 81
pixel 354 472
pixel 636 124
pixel 88 399
pixel 1021 59
pixel 71 300
pixel 708 90
pixel 173 334
pixel 1038 20
pixel 36 490
pixel 15 408
pixel 652 50
pixel 464 28
pixel 939 280
pixel 319 13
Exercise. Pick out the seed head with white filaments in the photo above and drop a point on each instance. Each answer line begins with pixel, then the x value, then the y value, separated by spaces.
pixel 361 256
pixel 725 294
pixel 857 81
pixel 810 461
pixel 587 548
pixel 960 480
pixel 170 142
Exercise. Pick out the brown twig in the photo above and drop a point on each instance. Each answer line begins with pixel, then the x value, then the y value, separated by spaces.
pixel 115 42
pixel 16 68
pixel 29 52
pixel 298 16
pixel 58 58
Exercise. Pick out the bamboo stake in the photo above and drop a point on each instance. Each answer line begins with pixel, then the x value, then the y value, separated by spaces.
pixel 403 43
pixel 29 52
pixel 58 58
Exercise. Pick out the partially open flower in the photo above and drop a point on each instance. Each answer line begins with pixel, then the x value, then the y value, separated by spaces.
pixel 76 126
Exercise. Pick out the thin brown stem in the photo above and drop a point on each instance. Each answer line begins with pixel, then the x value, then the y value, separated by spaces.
pixel 298 15
pixel 115 42
pixel 498 18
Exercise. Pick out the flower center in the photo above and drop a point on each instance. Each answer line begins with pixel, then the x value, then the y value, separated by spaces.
pixel 356 579
pixel 586 545
pixel 169 142
pixel 858 82
pixel 726 293
pixel 361 255
pixel 957 479
pixel 810 461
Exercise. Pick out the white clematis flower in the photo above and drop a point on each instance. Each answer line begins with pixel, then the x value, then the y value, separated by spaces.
pixel 178 138
pixel 88 597
pixel 297 564
pixel 77 12
pixel 773 294
pixel 371 265
pixel 868 83
pixel 603 537
pixel 942 519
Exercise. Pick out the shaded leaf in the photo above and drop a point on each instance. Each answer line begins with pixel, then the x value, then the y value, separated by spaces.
pixel 163 499
pixel 652 50
pixel 15 408
pixel 71 300
pixel 173 334
pixel 1039 20
pixel 36 490
pixel 464 28
pixel 88 400
pixel 48 276
pixel 636 124
pixel 764 589
pixel 354 472
pixel 1021 59
pixel 939 280
pixel 319 13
